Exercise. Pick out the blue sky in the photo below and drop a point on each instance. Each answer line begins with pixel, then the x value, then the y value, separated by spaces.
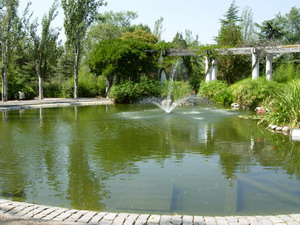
pixel 199 16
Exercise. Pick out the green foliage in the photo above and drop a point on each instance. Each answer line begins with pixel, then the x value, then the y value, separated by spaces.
pixel 216 90
pixel 250 93
pixel 89 85
pixel 129 92
pixel 286 72
pixel 285 106
pixel 180 89
pixel 125 59
pixel 140 35
pixel 52 89
pixel 16 85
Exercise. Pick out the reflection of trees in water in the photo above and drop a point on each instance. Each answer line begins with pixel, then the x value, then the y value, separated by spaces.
pixel 242 144
pixel 76 152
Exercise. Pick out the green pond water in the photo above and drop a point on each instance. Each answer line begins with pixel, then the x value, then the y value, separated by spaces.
pixel 136 158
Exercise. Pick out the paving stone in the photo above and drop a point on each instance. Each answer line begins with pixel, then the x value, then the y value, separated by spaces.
pixel 233 223
pixel 96 218
pixel 231 219
pixel 165 219
pixel 154 220
pixel 251 218
pixel 65 215
pixel 76 216
pixel 210 220
pixel 54 214
pixel 292 223
pixel 266 222
pixel 199 220
pixel 176 220
pixel 86 217
pixel 110 216
pixel 3 201
pixel 19 208
pixel 187 220
pixel 285 218
pixel 295 217
pixel 40 214
pixel 275 219
pixel 142 219
pixel 256 223
pixel 7 207
pixel 222 221
pixel 244 221
pixel 131 219
pixel 120 218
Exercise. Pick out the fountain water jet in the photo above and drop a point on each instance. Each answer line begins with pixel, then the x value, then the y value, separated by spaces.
pixel 168 104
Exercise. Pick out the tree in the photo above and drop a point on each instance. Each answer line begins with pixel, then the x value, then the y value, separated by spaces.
pixel 140 35
pixel 158 28
pixel 247 26
pixel 44 46
pixel 79 14
pixel 232 67
pixel 271 30
pixel 119 60
pixel 111 25
pixel 8 25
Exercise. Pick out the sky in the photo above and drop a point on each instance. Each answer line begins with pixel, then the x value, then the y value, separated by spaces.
pixel 199 16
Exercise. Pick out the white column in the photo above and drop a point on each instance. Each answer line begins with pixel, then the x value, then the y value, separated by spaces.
pixel 207 70
pixel 214 72
pixel 269 61
pixel 255 64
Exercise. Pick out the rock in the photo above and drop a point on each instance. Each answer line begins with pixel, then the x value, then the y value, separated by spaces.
pixel 235 105
pixel 286 129
pixel 273 127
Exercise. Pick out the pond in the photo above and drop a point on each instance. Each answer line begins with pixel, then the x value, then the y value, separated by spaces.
pixel 138 159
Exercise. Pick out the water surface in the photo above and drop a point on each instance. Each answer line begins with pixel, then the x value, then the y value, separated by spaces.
pixel 124 158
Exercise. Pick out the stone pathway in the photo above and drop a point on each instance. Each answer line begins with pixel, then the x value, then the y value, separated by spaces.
pixel 35 212
pixel 52 102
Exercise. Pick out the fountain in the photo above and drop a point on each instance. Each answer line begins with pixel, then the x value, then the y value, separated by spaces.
pixel 168 104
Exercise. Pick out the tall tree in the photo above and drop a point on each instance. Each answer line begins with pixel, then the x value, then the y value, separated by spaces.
pixel 230 35
pixel 9 22
pixel 247 26
pixel 79 14
pixel 44 45
pixel 158 28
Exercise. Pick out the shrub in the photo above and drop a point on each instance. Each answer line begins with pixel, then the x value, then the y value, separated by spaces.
pixel 216 90
pixel 250 93
pixel 285 107
pixel 52 89
pixel 286 72
pixel 129 92
pixel 89 85
pixel 180 90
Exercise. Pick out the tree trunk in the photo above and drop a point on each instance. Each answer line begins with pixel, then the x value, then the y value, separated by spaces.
pixel 76 68
pixel 4 85
pixel 41 95
pixel 4 75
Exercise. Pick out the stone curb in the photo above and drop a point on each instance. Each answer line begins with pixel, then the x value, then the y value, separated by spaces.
pixel 48 213
pixel 52 104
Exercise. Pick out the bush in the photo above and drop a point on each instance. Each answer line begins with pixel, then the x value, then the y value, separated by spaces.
pixel 180 90
pixel 216 90
pixel 52 89
pixel 286 72
pixel 89 85
pixel 129 92
pixel 250 93
pixel 285 107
